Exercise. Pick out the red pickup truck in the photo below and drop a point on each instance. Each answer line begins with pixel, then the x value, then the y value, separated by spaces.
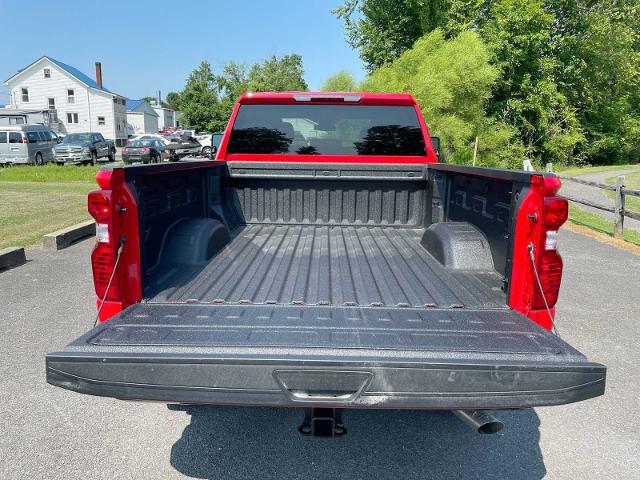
pixel 326 260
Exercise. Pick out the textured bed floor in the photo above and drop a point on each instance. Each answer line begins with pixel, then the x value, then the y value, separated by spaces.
pixel 330 265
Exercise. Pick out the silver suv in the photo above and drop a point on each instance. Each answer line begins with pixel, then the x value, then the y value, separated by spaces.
pixel 27 144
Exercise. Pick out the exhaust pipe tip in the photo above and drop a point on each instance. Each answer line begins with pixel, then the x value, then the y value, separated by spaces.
pixel 481 421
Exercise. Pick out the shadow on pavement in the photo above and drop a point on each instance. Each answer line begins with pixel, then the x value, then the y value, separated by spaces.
pixel 229 442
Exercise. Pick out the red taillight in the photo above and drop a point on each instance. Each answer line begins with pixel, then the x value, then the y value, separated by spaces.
pixel 125 150
pixel 554 214
pixel 556 211
pixel 146 149
pixel 99 206
pixel 550 271
pixel 102 262
pixel 25 139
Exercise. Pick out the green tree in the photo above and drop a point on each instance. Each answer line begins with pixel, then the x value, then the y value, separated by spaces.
pixel 342 81
pixel 277 75
pixel 381 30
pixel 597 47
pixel 273 75
pixel 452 81
pixel 569 69
pixel 526 96
pixel 199 98
pixel 150 100
pixel 172 101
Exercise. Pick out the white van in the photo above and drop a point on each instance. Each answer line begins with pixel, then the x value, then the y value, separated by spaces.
pixel 27 144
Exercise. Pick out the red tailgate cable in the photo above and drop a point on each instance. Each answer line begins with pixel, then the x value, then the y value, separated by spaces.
pixel 554 329
pixel 113 274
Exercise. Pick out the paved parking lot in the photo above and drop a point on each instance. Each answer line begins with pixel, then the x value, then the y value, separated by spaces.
pixel 46 432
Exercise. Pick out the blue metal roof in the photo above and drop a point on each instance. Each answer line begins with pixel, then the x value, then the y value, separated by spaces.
pixel 133 104
pixel 86 79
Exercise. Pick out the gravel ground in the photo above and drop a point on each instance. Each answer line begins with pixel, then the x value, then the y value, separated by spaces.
pixel 47 432
pixel 597 195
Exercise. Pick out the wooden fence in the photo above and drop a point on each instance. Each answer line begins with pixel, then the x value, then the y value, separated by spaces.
pixel 618 210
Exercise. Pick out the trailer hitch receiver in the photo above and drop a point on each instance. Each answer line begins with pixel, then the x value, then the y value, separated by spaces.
pixel 322 422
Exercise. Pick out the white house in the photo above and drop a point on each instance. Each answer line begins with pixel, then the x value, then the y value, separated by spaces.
pixel 167 118
pixel 80 103
pixel 142 117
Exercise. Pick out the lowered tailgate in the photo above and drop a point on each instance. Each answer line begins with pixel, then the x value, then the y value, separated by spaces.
pixel 326 355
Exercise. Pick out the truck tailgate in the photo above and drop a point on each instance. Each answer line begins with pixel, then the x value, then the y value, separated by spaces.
pixel 326 355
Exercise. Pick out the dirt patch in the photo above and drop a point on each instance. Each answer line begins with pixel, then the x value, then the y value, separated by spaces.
pixel 602 237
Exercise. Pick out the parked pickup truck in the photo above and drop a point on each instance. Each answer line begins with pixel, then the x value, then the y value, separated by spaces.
pixel 84 148
pixel 326 261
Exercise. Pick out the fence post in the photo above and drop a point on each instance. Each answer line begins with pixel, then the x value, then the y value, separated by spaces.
pixel 618 219
pixel 475 151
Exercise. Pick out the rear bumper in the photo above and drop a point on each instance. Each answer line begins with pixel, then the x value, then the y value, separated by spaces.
pixel 194 379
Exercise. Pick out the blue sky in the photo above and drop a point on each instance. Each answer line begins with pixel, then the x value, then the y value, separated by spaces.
pixel 146 46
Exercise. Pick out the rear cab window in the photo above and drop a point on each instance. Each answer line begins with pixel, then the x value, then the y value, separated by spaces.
pixel 316 129
pixel 15 137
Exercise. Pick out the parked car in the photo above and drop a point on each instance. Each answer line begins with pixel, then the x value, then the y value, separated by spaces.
pixel 145 150
pixel 27 144
pixel 165 139
pixel 84 148
pixel 210 142
pixel 328 272
pixel 182 133
pixel 183 146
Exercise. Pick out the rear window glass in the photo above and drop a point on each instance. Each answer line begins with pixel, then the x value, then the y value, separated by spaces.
pixel 15 137
pixel 216 138
pixel 78 138
pixel 33 136
pixel 3 137
pixel 327 130
pixel 142 143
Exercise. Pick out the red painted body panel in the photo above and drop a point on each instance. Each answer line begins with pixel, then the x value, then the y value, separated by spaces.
pixel 127 285
pixel 530 228
pixel 109 309
pixel 288 98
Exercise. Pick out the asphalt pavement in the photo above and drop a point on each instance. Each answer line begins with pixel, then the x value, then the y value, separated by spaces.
pixel 50 433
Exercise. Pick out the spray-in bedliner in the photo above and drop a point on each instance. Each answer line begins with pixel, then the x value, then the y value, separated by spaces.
pixel 329 265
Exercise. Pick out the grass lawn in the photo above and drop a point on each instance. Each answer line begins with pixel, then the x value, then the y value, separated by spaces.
pixel 573 171
pixel 596 222
pixel 49 173
pixel 632 181
pixel 31 209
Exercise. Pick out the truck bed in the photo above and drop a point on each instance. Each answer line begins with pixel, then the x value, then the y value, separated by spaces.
pixel 329 265
pixel 303 285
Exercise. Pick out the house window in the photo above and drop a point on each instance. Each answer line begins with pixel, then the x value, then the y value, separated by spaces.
pixel 25 94
pixel 71 95
pixel 47 73
pixel 72 118
pixel 101 121
pixel 51 103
